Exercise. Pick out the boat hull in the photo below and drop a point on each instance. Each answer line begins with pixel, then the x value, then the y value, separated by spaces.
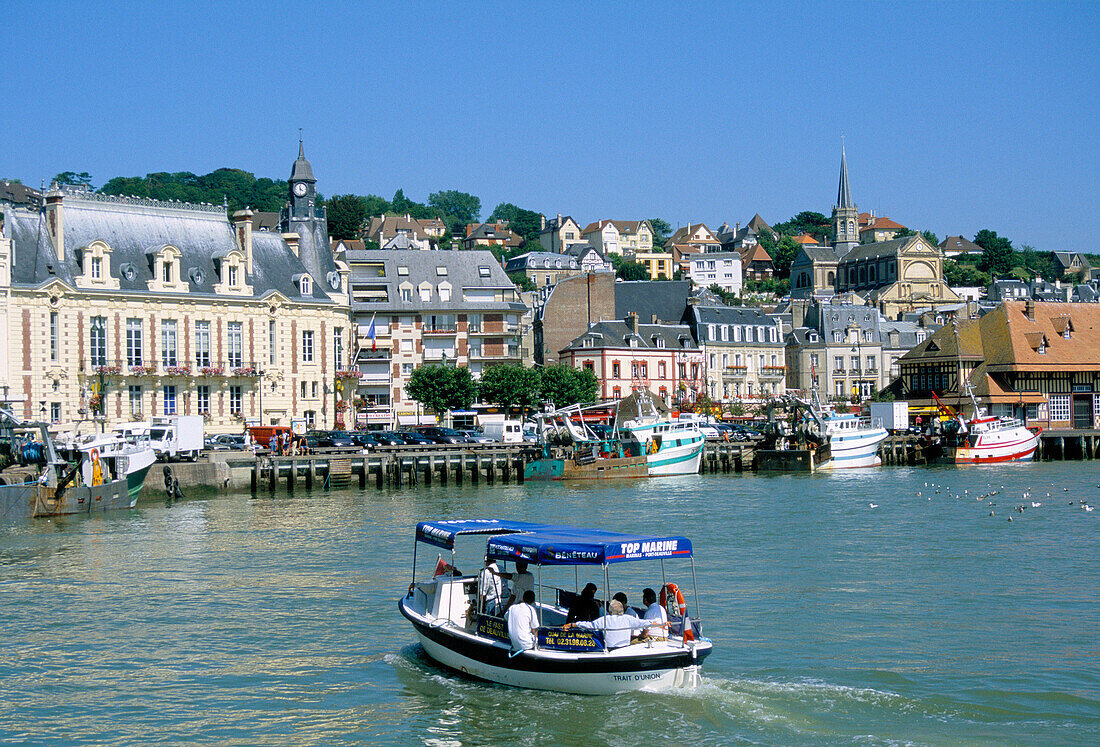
pixel 1013 447
pixel 592 674
pixel 856 450
pixel 600 469
pixel 677 460
pixel 32 501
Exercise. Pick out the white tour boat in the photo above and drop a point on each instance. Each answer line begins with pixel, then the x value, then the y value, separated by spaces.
pixel 445 613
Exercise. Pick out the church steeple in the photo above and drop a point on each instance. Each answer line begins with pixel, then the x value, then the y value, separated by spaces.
pixel 845 213
pixel 843 193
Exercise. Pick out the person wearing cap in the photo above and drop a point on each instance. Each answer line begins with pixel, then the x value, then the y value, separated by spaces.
pixel 616 626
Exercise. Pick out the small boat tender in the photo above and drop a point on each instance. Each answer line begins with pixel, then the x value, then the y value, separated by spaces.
pixel 444 611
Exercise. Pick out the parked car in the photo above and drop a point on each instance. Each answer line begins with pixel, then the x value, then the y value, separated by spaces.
pixel 235 441
pixel 341 439
pixel 388 438
pixel 442 435
pixel 212 443
pixel 412 438
pixel 479 438
pixel 365 439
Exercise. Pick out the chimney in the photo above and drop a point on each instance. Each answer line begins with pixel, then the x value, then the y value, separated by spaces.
pixel 1029 309
pixel 632 321
pixel 242 221
pixel 55 220
pixel 559 220
pixel 291 240
pixel 653 319
pixel 470 229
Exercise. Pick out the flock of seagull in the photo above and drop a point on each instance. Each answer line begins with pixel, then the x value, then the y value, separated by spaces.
pixel 1026 498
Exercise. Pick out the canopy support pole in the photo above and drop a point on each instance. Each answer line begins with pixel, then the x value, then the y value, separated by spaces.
pixel 695 589
pixel 415 545
pixel 540 603
pixel 606 591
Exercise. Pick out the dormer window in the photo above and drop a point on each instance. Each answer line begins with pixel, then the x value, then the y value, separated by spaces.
pixel 95 260
pixel 305 286
pixel 234 276
pixel 166 272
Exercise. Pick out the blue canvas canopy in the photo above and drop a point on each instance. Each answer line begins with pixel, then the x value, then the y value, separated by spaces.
pixel 443 533
pixel 570 546
pixel 548 544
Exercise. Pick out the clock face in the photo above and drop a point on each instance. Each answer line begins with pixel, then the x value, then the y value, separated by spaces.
pixel 300 189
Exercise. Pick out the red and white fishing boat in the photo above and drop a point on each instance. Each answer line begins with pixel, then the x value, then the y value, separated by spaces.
pixel 988 440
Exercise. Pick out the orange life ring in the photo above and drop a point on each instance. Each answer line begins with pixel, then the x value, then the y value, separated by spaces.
pixel 672 591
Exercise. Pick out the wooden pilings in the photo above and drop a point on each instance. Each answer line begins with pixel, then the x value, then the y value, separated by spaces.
pixel 392 467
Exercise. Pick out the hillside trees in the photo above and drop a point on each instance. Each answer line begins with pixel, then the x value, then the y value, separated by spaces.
pixel 346 215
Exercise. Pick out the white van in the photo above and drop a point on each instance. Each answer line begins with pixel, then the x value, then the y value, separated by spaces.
pixel 505 431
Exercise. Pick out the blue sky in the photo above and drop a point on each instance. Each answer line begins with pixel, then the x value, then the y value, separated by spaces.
pixel 957 116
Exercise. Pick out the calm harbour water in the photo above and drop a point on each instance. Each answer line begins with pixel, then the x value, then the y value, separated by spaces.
pixel 273 620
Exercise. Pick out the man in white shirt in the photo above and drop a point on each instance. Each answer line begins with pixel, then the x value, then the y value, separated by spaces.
pixel 490 587
pixel 522 580
pixel 523 622
pixel 616 626
pixel 653 611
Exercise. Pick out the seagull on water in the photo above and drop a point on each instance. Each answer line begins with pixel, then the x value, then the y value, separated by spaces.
pixel 873 505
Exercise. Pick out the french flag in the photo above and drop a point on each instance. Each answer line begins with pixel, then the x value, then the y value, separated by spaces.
pixel 370 332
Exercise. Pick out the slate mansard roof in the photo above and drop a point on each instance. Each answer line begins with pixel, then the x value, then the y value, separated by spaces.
pixel 733 316
pixel 134 230
pixel 616 334
pixel 464 270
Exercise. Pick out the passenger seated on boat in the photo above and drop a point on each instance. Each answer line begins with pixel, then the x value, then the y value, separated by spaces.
pixel 584 607
pixel 490 588
pixel 616 626
pixel 627 610
pixel 654 611
pixel 523 622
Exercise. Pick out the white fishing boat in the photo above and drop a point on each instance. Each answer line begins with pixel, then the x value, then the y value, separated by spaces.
pixel 124 457
pixel 38 479
pixel 444 611
pixel 853 441
pixel 671 447
pixel 990 440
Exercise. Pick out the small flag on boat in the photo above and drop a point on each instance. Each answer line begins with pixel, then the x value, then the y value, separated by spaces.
pixel 441 566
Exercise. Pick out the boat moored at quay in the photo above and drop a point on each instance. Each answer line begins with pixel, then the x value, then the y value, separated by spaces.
pixel 459 632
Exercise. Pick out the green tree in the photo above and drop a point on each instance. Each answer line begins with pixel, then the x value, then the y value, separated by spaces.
pixel 456 208
pixel 511 386
pixel 526 223
pixel 998 256
pixel 440 388
pixel 662 229
pixel 1041 264
pixel 376 205
pixel 82 179
pixel 728 298
pixel 564 385
pixel 783 255
pixel 963 275
pixel 930 237
pixel 240 189
pixel 627 269
pixel 522 282
pixel 808 221
pixel 346 215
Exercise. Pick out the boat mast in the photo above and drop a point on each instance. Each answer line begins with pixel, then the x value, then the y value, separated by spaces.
pixel 963 382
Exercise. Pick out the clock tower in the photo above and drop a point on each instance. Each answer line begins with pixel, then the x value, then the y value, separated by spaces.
pixel 304 216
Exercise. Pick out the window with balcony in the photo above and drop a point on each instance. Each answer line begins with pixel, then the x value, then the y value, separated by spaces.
pixel 235 347
pixel 98 340
pixel 134 392
pixel 168 343
pixel 134 343
pixel 202 344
